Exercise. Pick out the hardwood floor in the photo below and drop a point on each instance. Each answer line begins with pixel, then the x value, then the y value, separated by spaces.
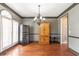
pixel 35 49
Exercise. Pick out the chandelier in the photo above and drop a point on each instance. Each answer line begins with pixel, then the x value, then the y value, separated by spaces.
pixel 39 18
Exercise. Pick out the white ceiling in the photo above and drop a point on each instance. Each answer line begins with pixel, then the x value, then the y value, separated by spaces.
pixel 46 9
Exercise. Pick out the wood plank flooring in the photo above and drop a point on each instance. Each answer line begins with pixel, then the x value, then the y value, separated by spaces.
pixel 35 49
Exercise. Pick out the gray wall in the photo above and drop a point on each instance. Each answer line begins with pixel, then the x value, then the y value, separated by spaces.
pixel 73 28
pixel 34 28
pixel 73 17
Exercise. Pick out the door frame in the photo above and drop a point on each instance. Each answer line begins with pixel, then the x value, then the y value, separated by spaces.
pixel 61 29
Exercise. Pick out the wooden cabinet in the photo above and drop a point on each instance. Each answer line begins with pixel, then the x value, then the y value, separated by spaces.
pixel 44 33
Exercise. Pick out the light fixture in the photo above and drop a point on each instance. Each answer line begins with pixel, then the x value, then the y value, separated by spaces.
pixel 39 18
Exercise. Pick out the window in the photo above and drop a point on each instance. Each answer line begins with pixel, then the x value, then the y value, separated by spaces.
pixel 9 30
pixel 15 31
pixel 5 13
pixel 6 29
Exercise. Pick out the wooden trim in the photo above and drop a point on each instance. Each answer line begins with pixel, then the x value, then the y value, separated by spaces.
pixel 34 33
pixel 44 17
pixel 73 5
pixel 73 36
pixel 67 30
pixel 69 8
pixel 74 52
pixel 50 34
pixel 54 33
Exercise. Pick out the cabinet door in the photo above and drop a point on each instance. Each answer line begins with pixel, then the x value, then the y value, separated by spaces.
pixel 47 39
pixel 44 40
pixel 42 29
pixel 41 39
pixel 46 29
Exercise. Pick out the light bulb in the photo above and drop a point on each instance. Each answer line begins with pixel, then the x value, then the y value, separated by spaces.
pixel 35 18
pixel 43 18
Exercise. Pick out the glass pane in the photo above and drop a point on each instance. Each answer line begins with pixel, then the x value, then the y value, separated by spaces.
pixel 21 26
pixel 6 13
pixel 7 32
pixel 15 31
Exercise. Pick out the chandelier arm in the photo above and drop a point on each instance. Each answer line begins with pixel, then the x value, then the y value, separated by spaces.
pixel 38 11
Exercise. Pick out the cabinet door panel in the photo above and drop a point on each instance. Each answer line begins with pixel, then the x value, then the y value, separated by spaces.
pixel 42 29
pixel 46 31
pixel 44 40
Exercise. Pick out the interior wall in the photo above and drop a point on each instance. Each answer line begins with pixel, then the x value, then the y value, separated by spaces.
pixel 73 28
pixel 34 28
pixel 73 17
